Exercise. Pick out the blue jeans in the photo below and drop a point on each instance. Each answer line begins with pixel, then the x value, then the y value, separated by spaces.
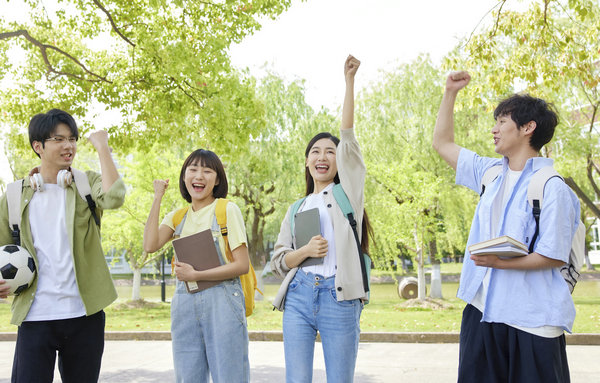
pixel 209 334
pixel 311 306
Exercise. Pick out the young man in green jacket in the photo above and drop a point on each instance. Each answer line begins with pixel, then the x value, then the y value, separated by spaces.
pixel 61 311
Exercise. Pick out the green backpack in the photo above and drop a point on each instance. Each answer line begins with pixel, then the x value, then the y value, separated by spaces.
pixel 344 203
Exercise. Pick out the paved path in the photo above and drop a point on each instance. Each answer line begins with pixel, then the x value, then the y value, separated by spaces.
pixel 150 361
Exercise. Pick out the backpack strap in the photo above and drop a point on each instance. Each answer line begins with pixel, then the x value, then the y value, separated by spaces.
pixel 535 196
pixel 293 211
pixel 85 192
pixel 221 214
pixel 179 220
pixel 13 200
pixel 344 203
pixel 489 176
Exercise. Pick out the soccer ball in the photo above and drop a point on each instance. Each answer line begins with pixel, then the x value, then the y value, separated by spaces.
pixel 17 268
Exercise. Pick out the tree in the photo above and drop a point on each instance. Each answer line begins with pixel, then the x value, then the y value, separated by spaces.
pixel 410 187
pixel 123 229
pixel 160 66
pixel 269 176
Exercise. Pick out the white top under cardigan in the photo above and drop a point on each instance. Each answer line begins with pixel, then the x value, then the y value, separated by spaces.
pixel 329 265
pixel 351 171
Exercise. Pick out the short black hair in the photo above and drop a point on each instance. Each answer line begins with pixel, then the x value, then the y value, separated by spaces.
pixel 207 159
pixel 42 125
pixel 523 108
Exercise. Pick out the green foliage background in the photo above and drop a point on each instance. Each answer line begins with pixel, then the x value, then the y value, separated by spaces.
pixel 164 72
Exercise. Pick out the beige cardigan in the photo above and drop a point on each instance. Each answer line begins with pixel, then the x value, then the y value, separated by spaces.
pixel 348 278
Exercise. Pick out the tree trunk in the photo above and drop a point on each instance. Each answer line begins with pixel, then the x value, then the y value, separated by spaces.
pixel 421 272
pixel 255 241
pixel 436 274
pixel 261 254
pixel 137 283
pixel 582 196
pixel 588 263
pixel 436 281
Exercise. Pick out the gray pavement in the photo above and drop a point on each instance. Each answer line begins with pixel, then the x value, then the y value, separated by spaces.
pixel 151 361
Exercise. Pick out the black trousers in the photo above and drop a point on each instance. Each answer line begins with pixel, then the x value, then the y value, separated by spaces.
pixel 496 352
pixel 78 341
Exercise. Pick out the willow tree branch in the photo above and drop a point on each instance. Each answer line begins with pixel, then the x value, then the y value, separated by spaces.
pixel 185 92
pixel 112 23
pixel 397 197
pixel 44 52
pixel 497 23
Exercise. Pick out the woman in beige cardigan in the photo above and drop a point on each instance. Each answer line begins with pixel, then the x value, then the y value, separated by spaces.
pixel 326 297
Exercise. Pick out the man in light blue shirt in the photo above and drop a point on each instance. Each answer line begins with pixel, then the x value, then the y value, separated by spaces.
pixel 517 308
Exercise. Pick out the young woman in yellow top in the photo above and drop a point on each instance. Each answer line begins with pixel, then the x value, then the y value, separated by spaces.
pixel 208 328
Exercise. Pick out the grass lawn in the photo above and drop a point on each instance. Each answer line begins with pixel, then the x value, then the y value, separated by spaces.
pixel 386 312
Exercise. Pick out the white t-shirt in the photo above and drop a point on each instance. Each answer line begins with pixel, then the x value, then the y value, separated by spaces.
pixel 57 295
pixel 499 203
pixel 329 265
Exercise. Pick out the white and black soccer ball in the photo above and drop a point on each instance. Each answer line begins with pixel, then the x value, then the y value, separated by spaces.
pixel 17 268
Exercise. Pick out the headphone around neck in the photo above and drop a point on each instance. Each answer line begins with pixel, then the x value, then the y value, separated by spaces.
pixel 64 178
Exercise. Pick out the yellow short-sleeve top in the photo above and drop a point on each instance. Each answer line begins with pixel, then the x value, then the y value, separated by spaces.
pixel 203 219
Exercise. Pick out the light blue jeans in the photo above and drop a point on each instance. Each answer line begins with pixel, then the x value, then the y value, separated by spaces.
pixel 311 306
pixel 209 334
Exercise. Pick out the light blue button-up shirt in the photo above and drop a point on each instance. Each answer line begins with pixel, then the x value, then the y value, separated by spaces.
pixel 527 298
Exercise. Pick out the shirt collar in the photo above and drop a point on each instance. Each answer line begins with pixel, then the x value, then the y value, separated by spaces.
pixel 533 164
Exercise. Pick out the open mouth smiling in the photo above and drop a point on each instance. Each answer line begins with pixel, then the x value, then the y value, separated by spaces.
pixel 321 168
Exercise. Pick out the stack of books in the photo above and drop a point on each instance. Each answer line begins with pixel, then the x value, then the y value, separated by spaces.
pixel 504 246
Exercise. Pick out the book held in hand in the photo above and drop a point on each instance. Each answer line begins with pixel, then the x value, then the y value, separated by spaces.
pixel 307 225
pixel 200 251
pixel 504 246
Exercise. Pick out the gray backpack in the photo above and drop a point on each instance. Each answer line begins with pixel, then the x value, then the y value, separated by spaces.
pixel 535 197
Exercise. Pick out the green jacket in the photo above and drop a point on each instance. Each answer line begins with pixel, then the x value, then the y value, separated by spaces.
pixel 91 271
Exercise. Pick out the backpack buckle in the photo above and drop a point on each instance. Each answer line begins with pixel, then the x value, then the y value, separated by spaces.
pixel 16 235
pixel 352 220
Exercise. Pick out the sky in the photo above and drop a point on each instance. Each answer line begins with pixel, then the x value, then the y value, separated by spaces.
pixel 312 39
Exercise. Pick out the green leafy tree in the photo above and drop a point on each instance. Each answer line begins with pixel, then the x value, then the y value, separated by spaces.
pixel 411 194
pixel 160 67
pixel 269 176
pixel 123 229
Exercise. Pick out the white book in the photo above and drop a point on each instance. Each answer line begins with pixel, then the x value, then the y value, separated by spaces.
pixel 504 246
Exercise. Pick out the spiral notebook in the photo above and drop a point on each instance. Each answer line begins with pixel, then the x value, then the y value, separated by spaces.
pixel 200 251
